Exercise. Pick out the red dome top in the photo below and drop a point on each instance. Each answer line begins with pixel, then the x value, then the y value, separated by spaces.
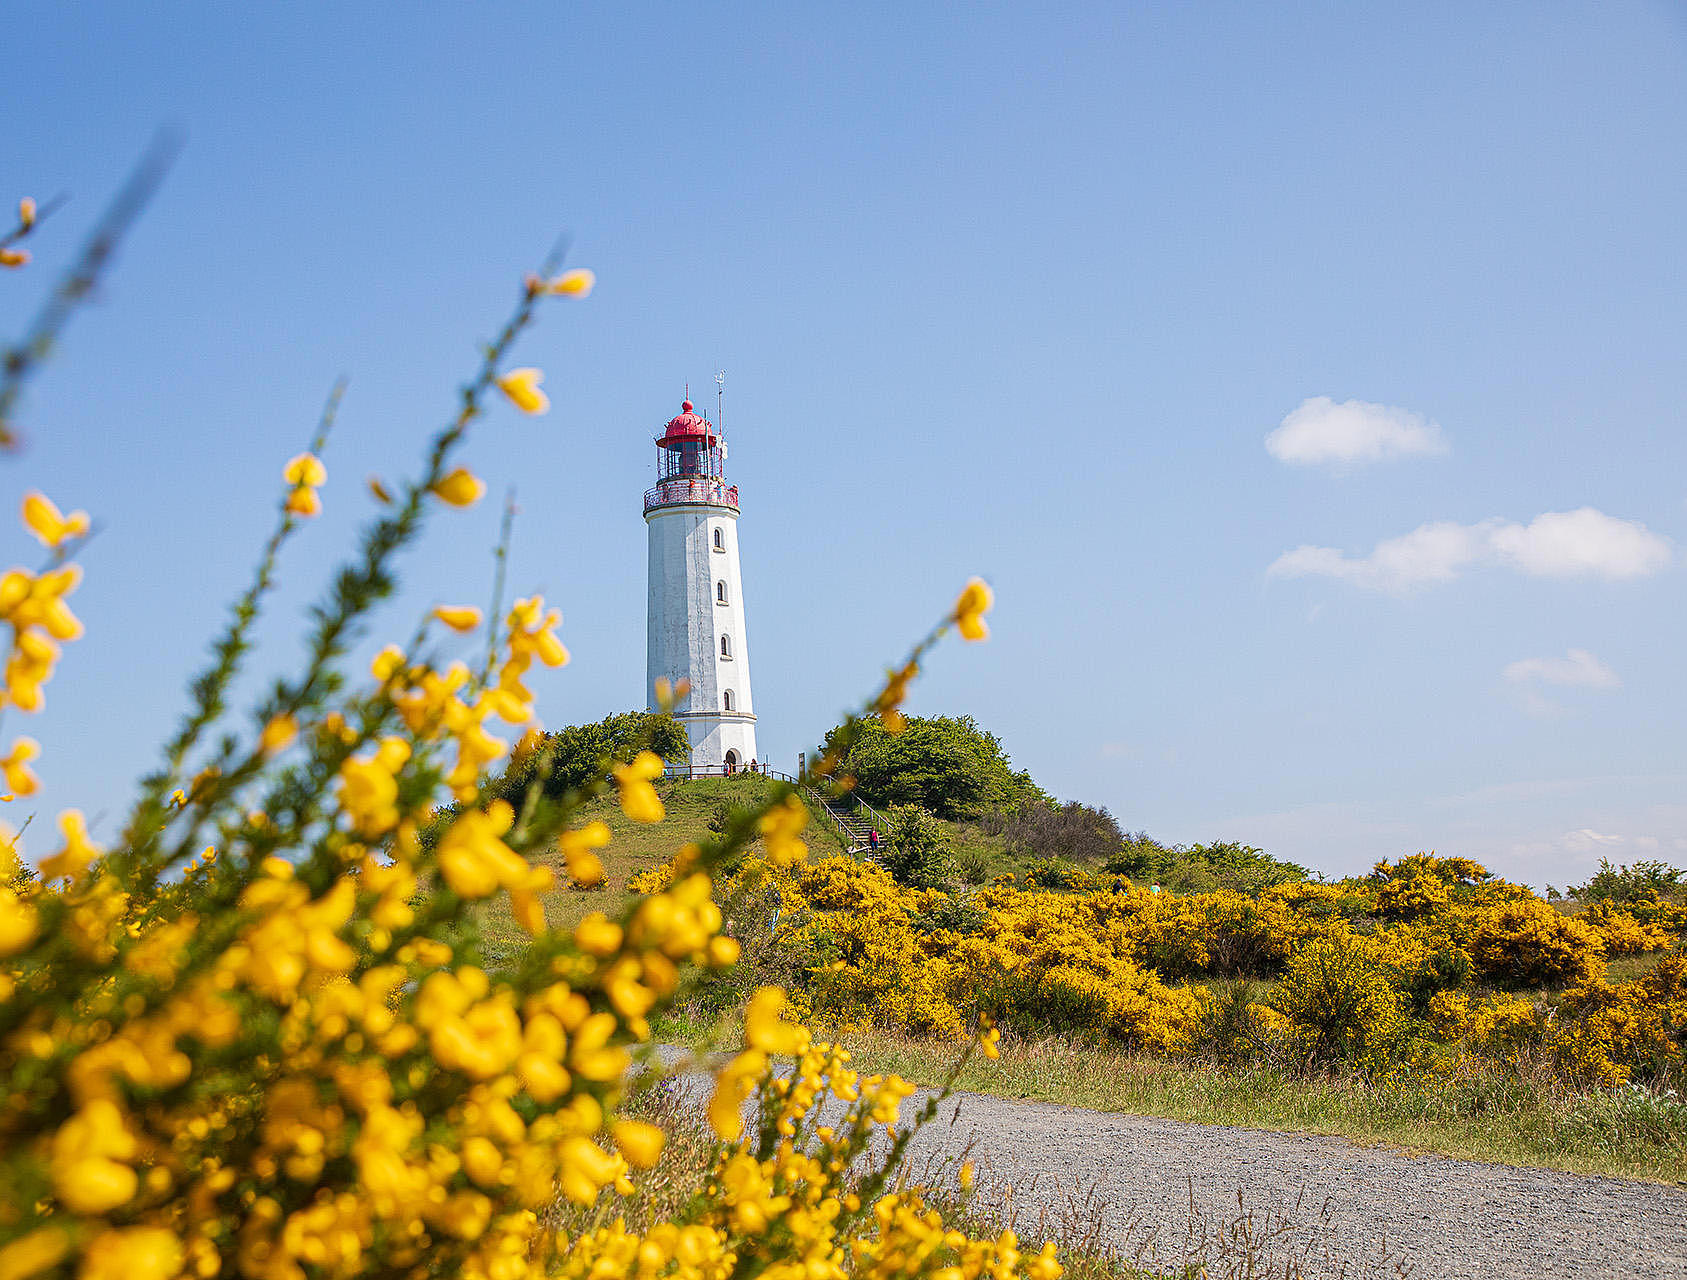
pixel 689 426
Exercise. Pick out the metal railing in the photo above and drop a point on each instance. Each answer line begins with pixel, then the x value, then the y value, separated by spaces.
pixel 692 489
pixel 687 772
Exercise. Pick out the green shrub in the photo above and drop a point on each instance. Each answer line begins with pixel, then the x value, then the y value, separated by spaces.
pixel 914 848
pixel 1636 883
pixel 946 764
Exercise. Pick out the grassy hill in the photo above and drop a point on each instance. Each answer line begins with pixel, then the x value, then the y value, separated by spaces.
pixel 635 847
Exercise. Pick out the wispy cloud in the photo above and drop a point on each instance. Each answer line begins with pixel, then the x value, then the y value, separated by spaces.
pixel 1354 433
pixel 1576 669
pixel 1585 543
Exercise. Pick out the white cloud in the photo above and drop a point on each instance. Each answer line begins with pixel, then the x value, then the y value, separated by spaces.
pixel 1351 434
pixel 1577 669
pixel 1584 543
pixel 1588 840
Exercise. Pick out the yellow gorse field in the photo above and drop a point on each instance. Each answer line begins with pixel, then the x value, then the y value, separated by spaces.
pixel 1095 956
pixel 254 1036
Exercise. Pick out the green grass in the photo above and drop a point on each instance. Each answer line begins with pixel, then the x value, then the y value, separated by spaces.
pixel 1515 1120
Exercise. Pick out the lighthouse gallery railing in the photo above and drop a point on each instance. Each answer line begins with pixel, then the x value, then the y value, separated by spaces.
pixel 691 489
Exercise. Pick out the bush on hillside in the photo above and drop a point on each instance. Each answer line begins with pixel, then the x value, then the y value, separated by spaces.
pixel 914 848
pixel 1073 831
pixel 1637 883
pixel 1201 868
pixel 945 764
pixel 1341 1004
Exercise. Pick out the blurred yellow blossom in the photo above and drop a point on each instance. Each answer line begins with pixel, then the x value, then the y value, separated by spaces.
pixel 305 473
pixel 279 733
pixel 15 765
pixel 458 617
pixel 78 852
pixel 639 800
pixel 460 488
pixel 45 521
pixel 974 602
pixel 522 387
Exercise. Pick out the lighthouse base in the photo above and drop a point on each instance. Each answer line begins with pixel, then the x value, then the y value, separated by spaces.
pixel 721 741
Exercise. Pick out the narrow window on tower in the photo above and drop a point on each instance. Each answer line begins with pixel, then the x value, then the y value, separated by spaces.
pixel 720 539
pixel 720 592
pixel 726 700
pixel 726 646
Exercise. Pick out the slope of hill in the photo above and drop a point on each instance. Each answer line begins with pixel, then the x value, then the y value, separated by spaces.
pixel 633 848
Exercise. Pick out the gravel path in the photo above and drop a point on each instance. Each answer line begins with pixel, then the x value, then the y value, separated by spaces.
pixel 1249 1202
pixel 1166 1189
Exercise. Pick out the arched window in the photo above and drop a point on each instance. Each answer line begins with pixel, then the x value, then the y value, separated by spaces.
pixel 720 592
pixel 726 700
pixel 720 539
pixel 726 646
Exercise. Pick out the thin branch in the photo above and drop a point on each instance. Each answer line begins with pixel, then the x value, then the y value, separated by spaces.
pixel 78 283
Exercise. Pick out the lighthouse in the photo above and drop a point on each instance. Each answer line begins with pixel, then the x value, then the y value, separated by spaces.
pixel 696 607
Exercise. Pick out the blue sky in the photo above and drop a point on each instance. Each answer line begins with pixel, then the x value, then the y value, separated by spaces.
pixel 1011 290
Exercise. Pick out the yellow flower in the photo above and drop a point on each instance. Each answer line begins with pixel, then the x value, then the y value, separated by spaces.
pixel 26 212
pixel 134 1253
pixel 476 862
pixel 32 1254
pixel 584 866
pixel 13 257
pixel 461 488
pixel 765 1027
pixel 572 284
pixel 369 787
pixel 88 1155
pixel 72 860
pixel 639 800
pixel 670 694
pixel 45 521
pixel 15 765
pixel 458 617
pixel 305 468
pixel 780 827
pixel 733 1083
pixel 305 473
pixel 974 602
pixel 639 1142
pixel 522 387
pixel 598 935
pixel 18 923
pixel 278 734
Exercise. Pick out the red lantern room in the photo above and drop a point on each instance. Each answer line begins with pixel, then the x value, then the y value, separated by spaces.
pixel 690 464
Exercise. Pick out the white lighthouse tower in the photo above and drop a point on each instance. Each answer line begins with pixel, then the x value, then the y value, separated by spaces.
pixel 697 594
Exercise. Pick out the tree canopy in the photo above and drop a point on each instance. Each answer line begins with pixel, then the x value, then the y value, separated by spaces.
pixel 946 764
pixel 582 752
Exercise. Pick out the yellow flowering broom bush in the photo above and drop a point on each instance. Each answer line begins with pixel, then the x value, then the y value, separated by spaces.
pixel 240 1039
pixel 1376 973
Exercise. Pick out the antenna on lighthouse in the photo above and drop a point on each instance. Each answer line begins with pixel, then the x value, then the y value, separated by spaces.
pixel 720 400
